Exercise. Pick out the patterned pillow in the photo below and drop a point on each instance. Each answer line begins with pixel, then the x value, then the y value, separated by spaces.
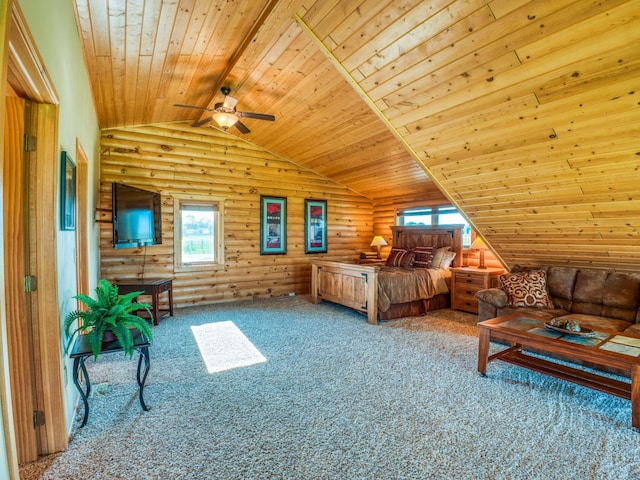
pixel 422 257
pixel 399 257
pixel 526 289
pixel 447 260
pixel 438 256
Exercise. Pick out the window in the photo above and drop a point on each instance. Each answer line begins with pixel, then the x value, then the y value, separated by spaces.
pixel 198 233
pixel 448 215
pixel 418 216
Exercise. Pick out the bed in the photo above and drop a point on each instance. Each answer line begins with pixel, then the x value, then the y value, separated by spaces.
pixel 364 287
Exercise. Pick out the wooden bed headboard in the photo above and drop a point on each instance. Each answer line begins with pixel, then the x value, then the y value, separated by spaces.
pixel 426 236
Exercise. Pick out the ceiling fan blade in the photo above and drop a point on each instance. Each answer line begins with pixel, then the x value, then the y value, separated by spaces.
pixel 204 121
pixel 257 116
pixel 230 102
pixel 191 106
pixel 241 126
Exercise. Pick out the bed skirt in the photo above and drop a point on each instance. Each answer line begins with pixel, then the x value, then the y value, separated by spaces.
pixel 417 308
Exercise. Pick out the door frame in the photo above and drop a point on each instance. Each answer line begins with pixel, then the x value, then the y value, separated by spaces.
pixel 30 79
pixel 82 216
pixel 8 440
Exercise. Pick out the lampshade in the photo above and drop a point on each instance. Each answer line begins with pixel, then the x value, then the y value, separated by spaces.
pixel 478 244
pixel 225 120
pixel 378 241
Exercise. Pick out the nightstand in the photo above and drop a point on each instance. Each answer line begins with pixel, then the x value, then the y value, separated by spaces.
pixel 466 281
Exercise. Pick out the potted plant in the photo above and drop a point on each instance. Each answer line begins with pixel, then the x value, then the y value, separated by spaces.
pixel 109 313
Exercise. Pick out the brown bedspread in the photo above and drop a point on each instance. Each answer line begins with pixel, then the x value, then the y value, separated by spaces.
pixel 400 285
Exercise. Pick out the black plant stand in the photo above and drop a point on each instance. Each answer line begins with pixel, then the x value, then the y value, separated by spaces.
pixel 82 350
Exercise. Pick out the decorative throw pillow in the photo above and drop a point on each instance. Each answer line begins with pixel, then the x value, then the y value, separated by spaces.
pixel 399 257
pixel 447 260
pixel 438 256
pixel 422 257
pixel 526 289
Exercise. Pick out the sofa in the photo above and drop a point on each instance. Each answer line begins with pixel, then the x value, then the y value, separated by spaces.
pixel 596 299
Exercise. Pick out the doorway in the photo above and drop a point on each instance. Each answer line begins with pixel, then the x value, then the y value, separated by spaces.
pixel 33 333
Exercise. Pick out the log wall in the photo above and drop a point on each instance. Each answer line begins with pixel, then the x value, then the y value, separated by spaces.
pixel 177 159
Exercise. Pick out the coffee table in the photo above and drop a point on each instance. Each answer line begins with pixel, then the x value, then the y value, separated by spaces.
pixel 604 349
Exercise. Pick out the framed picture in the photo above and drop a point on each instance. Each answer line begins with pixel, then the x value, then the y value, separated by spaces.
pixel 273 225
pixel 67 192
pixel 315 226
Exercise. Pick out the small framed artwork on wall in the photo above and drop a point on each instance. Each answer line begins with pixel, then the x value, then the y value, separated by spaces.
pixel 315 226
pixel 273 225
pixel 67 192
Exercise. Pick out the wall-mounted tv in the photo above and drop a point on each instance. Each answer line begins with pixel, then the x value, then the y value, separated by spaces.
pixel 137 217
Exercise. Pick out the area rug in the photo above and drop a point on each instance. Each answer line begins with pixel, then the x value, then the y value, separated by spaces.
pixel 338 398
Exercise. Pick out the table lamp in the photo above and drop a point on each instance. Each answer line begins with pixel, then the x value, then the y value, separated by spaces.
pixel 378 242
pixel 478 244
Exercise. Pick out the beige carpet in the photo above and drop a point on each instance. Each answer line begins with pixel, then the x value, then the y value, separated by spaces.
pixel 337 398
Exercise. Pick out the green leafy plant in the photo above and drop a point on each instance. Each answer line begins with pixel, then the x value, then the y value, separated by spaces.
pixel 108 312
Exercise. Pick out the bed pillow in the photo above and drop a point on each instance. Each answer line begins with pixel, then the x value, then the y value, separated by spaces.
pixel 422 257
pixel 438 256
pixel 399 257
pixel 447 260
pixel 526 289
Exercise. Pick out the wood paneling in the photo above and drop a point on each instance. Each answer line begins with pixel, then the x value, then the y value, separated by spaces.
pixel 139 72
pixel 175 159
pixel 497 100
pixel 523 113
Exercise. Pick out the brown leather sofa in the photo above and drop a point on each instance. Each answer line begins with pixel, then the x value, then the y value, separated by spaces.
pixel 594 298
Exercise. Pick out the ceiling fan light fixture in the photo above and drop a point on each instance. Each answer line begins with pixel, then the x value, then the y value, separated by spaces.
pixel 224 119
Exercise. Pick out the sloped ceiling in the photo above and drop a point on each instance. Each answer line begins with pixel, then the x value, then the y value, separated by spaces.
pixel 525 113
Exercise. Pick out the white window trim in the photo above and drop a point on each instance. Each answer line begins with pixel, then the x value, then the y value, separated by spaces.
pixel 177 234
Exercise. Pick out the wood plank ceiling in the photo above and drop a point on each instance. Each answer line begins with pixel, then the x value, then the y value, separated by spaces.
pixel 525 113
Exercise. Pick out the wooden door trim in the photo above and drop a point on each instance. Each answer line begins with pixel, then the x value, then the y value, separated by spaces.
pixel 29 78
pixel 5 390
pixel 82 231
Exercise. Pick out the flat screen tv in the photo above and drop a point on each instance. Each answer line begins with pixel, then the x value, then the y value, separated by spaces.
pixel 137 217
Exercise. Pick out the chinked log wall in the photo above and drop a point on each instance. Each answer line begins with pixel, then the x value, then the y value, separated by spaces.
pixel 177 159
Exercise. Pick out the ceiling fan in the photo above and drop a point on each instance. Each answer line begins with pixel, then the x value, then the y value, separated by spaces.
pixel 225 113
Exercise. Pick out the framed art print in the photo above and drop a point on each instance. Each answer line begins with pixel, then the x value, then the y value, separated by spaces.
pixel 273 225
pixel 67 192
pixel 315 226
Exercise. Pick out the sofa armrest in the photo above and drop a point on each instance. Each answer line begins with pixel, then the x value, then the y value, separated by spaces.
pixel 493 296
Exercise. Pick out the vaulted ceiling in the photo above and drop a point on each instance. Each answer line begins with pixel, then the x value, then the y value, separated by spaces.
pixel 524 113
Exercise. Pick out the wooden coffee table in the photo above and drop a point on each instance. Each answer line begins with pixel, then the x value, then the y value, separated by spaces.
pixel 604 349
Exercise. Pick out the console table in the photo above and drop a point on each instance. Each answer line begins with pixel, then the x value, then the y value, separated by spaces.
pixel 82 350
pixel 153 288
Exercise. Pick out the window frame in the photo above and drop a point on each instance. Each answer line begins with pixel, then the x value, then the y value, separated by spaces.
pixel 435 211
pixel 218 232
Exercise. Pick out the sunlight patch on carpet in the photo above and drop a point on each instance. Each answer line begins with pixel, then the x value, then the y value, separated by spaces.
pixel 223 347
